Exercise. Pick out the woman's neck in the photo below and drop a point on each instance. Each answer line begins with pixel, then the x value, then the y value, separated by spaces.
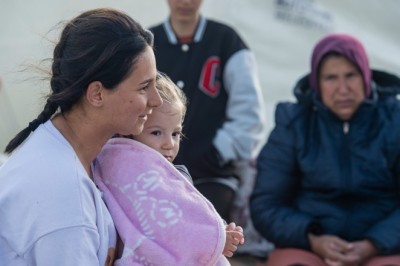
pixel 85 144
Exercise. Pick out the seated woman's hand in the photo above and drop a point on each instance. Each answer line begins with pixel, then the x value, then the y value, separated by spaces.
pixel 334 250
pixel 364 250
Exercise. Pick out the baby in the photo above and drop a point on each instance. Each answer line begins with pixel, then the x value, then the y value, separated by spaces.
pixel 160 217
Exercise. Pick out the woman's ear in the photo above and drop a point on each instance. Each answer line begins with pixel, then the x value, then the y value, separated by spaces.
pixel 94 93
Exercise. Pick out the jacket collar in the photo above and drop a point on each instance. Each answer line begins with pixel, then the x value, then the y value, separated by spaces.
pixel 198 36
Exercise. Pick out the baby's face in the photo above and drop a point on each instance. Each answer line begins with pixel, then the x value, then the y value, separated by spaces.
pixel 162 131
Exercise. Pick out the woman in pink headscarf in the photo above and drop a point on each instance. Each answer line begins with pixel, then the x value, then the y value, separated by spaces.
pixel 327 190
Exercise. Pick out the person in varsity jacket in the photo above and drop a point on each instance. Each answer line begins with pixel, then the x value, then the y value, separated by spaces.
pixel 224 122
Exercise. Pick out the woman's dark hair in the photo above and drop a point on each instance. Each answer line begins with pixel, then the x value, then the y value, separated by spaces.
pixel 98 45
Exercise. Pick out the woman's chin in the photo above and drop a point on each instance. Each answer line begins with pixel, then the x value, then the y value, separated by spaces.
pixel 138 129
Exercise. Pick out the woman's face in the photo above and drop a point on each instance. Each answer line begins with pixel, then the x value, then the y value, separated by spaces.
pixel 341 85
pixel 134 98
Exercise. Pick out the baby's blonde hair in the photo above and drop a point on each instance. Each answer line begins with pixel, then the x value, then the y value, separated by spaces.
pixel 170 93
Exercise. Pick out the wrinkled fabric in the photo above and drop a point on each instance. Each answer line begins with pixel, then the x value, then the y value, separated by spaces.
pixel 160 217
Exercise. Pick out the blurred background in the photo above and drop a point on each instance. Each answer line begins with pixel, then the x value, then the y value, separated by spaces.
pixel 281 33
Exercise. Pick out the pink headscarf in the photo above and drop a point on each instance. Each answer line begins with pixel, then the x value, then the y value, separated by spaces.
pixel 347 46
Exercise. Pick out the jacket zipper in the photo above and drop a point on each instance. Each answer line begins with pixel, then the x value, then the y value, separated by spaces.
pixel 346 127
pixel 346 162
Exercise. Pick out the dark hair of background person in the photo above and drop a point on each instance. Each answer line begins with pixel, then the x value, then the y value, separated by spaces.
pixel 99 45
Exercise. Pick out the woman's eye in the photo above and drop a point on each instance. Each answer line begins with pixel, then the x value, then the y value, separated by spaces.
pixel 330 78
pixel 353 75
pixel 144 88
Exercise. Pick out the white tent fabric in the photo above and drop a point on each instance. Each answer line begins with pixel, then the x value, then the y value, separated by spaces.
pixel 8 122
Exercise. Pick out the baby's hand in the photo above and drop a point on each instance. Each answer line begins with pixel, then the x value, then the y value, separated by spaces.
pixel 234 237
pixel 238 229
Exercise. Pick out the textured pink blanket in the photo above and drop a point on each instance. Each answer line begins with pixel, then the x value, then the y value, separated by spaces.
pixel 161 218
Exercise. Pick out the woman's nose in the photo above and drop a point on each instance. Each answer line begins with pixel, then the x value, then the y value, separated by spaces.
pixel 342 85
pixel 155 98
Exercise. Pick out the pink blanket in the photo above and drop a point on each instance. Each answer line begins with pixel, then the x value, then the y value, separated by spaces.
pixel 161 218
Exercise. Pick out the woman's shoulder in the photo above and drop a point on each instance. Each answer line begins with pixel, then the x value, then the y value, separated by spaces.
pixel 47 192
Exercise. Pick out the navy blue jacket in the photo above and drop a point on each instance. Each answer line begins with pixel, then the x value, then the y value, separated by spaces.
pixel 342 178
